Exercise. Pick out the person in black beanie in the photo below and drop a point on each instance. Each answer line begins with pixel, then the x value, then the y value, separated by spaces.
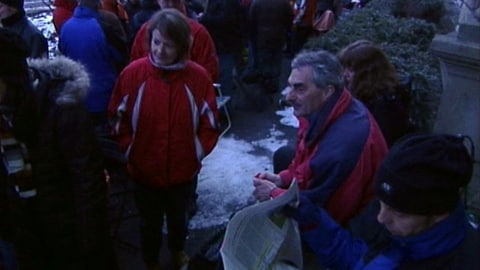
pixel 13 17
pixel 418 221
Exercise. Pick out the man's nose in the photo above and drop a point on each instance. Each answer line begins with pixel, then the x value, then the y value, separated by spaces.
pixel 290 96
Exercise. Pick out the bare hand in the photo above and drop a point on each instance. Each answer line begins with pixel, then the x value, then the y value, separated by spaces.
pixel 274 178
pixel 263 189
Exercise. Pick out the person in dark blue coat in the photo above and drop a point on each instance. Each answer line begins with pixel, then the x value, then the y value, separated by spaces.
pixel 418 222
pixel 96 40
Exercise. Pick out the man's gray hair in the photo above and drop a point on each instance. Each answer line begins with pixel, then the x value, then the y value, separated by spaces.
pixel 327 69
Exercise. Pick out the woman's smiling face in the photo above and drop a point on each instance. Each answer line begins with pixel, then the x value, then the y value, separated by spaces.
pixel 163 50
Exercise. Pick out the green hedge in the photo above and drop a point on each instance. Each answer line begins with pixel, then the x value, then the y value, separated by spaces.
pixel 404 40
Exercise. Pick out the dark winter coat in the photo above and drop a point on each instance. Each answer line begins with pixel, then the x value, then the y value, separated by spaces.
pixel 65 224
pixel 33 37
pixel 147 9
pixel 225 21
pixel 268 23
pixel 392 114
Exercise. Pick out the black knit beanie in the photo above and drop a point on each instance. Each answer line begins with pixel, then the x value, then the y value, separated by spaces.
pixel 423 174
pixel 18 4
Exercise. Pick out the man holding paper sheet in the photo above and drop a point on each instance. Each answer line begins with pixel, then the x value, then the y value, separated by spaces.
pixel 340 146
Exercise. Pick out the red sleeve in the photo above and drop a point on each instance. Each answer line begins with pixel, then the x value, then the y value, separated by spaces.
pixel 60 16
pixel 118 109
pixel 208 132
pixel 203 50
pixel 140 47
pixel 276 192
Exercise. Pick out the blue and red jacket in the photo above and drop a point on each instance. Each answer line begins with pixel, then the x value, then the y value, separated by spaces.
pixel 338 151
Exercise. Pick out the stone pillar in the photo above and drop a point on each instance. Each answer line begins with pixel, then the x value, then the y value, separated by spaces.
pixel 459 110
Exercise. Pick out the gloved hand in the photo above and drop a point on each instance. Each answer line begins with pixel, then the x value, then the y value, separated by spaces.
pixel 304 214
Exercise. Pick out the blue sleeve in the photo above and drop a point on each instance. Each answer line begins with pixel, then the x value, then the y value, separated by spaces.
pixel 337 154
pixel 334 246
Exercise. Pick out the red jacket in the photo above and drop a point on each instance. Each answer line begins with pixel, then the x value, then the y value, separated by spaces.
pixel 202 51
pixel 62 12
pixel 338 152
pixel 165 121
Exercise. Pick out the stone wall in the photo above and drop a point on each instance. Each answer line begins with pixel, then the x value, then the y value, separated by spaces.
pixel 459 55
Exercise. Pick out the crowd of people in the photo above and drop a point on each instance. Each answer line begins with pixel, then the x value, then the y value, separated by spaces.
pixel 141 74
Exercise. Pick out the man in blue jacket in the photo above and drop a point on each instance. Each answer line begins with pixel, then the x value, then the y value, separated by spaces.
pixel 339 146
pixel 96 39
pixel 421 222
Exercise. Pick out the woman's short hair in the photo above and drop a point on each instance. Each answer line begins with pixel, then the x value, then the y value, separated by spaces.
pixel 174 25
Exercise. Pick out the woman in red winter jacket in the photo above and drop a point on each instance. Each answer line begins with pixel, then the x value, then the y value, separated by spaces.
pixel 165 115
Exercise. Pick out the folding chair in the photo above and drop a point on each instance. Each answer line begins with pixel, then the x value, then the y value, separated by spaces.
pixel 222 105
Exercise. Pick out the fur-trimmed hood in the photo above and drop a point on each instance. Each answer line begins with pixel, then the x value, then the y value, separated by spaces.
pixel 73 78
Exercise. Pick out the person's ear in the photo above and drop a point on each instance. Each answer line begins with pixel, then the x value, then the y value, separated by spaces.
pixel 329 90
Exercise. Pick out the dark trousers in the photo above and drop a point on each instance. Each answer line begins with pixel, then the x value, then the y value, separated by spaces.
pixel 43 242
pixel 155 203
pixel 282 158
pixel 269 65
pixel 227 64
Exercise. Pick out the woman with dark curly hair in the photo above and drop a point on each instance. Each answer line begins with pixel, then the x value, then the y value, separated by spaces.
pixel 373 80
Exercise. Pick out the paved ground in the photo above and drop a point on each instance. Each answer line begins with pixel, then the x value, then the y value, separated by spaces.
pixel 251 121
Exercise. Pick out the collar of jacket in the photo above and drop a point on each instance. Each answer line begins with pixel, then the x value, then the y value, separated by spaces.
pixel 441 238
pixel 69 77
pixel 335 106
pixel 177 66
